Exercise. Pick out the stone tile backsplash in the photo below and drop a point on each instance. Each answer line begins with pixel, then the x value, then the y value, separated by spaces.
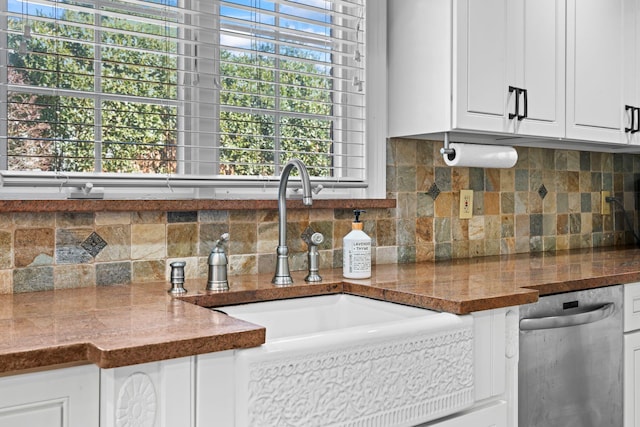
pixel 550 200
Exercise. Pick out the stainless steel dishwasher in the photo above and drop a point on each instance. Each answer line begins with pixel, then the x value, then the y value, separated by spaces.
pixel 570 370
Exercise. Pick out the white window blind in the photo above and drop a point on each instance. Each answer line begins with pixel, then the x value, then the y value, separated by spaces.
pixel 198 92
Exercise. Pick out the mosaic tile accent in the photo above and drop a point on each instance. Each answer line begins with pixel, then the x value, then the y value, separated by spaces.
pixel 434 191
pixel 542 191
pixel 94 244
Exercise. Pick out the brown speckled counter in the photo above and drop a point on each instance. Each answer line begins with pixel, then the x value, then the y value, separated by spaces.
pixel 457 286
pixel 124 325
pixel 111 326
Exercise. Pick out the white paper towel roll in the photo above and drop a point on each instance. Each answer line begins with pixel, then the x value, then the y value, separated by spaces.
pixel 481 156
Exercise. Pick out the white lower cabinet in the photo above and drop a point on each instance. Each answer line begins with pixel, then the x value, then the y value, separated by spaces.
pixel 632 380
pixel 157 394
pixel 496 371
pixel 66 397
pixel 632 355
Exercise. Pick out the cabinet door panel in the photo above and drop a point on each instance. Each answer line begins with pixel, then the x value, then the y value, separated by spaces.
pixel 482 82
pixel 486 66
pixel 58 398
pixel 631 307
pixel 541 63
pixel 595 64
pixel 632 64
pixel 41 415
pixel 632 380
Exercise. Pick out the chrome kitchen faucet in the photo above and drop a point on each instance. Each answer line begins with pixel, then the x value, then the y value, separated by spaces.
pixel 282 276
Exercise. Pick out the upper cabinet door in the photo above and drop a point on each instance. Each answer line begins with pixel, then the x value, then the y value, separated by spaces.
pixel 510 43
pixel 631 53
pixel 595 101
pixel 539 32
pixel 482 67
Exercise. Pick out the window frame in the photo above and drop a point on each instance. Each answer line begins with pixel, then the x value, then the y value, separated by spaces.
pixel 17 186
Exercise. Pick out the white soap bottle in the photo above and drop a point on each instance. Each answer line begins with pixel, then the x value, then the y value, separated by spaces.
pixel 356 256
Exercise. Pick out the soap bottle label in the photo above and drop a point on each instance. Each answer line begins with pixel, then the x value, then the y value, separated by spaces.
pixel 359 257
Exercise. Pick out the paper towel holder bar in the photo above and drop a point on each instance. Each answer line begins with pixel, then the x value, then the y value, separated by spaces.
pixel 477 155
pixel 446 150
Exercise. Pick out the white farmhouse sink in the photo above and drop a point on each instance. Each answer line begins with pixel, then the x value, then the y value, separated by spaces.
pixel 312 315
pixel 346 360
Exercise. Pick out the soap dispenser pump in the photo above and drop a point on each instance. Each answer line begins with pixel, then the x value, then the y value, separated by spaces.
pixel 356 250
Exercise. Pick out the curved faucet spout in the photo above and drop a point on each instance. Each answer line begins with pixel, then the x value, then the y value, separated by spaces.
pixel 282 276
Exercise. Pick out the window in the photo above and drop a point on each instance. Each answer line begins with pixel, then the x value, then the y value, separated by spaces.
pixel 183 93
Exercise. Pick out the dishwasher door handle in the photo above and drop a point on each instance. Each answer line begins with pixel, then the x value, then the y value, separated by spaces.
pixel 598 313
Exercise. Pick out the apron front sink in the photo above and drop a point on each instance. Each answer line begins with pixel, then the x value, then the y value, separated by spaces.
pixel 347 360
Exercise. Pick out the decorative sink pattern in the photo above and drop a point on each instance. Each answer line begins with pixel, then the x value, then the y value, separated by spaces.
pixel 351 361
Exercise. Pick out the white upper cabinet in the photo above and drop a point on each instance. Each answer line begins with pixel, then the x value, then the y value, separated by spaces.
pixel 631 54
pixel 482 66
pixel 509 67
pixel 559 71
pixel 595 70
pixel 540 65
pixel 491 66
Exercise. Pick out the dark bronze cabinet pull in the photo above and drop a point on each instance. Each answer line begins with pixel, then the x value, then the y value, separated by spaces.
pixel 526 105
pixel 517 110
pixel 631 128
pixel 518 92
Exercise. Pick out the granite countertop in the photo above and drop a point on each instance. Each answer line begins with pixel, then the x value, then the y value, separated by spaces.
pixel 129 324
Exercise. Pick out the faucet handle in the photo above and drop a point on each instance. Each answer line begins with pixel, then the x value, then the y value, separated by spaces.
pixel 312 237
pixel 223 238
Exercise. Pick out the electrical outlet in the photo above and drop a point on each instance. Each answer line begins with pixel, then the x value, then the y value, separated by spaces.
pixel 605 208
pixel 466 204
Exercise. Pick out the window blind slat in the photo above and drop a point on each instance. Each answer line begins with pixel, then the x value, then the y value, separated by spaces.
pixel 336 9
